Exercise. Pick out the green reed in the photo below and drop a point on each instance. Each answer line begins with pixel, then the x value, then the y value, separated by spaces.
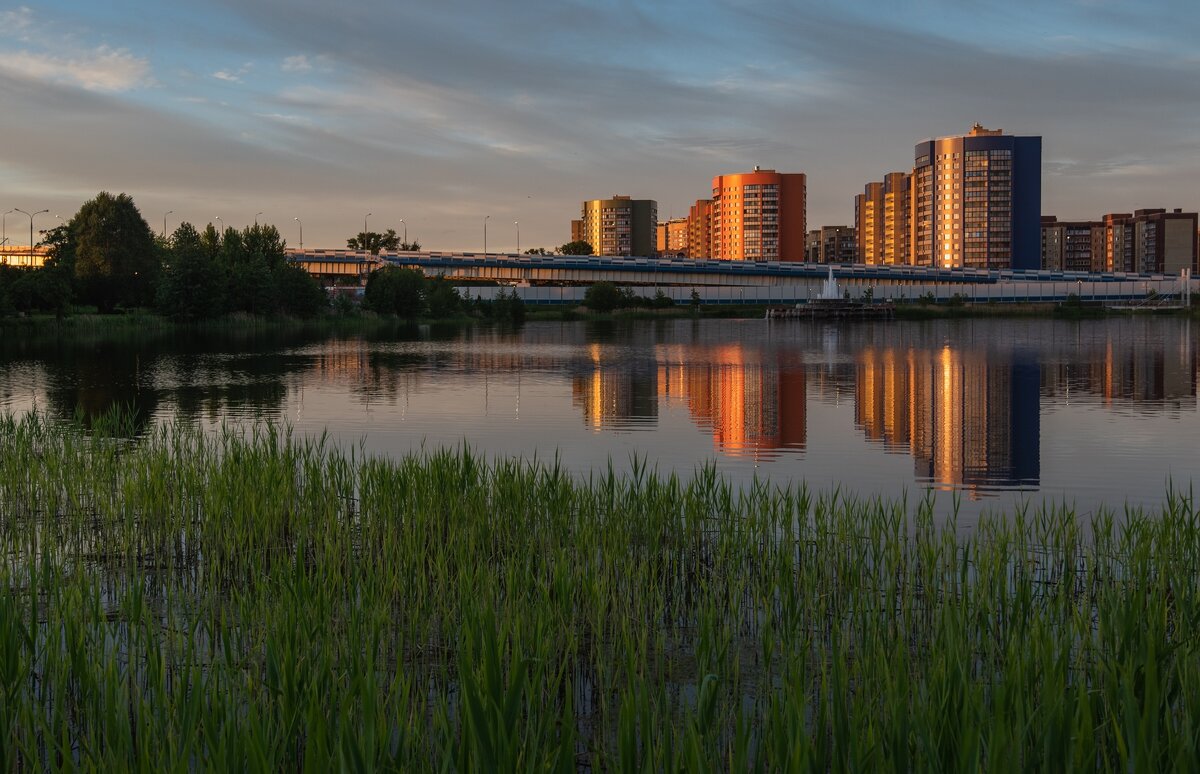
pixel 261 601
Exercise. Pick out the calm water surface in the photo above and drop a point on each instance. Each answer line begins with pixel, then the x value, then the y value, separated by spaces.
pixel 996 411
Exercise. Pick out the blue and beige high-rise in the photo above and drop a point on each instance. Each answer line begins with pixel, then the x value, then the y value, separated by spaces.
pixel 977 201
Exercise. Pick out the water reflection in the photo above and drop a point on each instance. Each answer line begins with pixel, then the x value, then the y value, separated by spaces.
pixel 977 406
pixel 969 418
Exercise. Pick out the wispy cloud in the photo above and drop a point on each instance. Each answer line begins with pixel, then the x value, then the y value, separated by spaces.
pixel 296 64
pixel 233 76
pixel 101 69
pixel 17 23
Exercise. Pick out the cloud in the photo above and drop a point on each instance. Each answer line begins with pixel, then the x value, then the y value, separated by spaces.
pixel 102 69
pixel 296 64
pixel 233 76
pixel 17 23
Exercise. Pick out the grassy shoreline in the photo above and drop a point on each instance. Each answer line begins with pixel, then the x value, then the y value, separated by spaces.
pixel 215 600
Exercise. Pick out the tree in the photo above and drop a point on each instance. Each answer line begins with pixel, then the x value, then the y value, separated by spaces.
pixel 193 284
pixel 115 258
pixel 391 290
pixel 441 298
pixel 602 297
pixel 578 247
pixel 298 293
pixel 373 242
pixel 536 251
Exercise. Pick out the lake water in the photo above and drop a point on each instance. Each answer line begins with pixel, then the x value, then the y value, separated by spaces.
pixel 997 411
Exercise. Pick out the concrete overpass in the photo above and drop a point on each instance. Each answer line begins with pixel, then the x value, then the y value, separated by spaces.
pixel 562 278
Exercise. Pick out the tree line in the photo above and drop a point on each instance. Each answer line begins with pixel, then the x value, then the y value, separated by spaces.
pixel 108 258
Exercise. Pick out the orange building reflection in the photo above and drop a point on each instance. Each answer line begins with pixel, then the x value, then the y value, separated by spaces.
pixel 970 419
pixel 751 407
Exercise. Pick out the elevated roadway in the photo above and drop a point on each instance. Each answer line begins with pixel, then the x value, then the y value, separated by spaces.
pixel 561 278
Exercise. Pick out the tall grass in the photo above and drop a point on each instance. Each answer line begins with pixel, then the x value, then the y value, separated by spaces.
pixel 258 601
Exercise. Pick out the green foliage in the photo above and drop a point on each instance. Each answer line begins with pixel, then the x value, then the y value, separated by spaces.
pixel 116 260
pixel 208 274
pixel 695 300
pixel 926 299
pixel 441 299
pixel 392 290
pixel 603 297
pixel 662 300
pixel 223 598
pixel 298 293
pixel 536 251
pixel 193 284
pixel 578 247
pixel 373 242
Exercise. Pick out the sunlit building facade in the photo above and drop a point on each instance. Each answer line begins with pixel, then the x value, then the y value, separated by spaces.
pixel 700 229
pixel 759 216
pixel 672 237
pixel 977 201
pixel 620 225
pixel 1150 240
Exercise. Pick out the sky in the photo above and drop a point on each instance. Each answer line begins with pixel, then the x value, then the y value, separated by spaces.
pixel 443 113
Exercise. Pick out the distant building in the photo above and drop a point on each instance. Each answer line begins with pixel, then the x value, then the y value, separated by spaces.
pixel 576 230
pixel 23 256
pixel 832 244
pixel 1072 245
pixel 1150 240
pixel 977 201
pixel 700 229
pixel 672 237
pixel 868 223
pixel 882 220
pixel 619 226
pixel 759 216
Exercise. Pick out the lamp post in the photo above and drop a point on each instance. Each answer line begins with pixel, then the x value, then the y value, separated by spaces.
pixel 256 217
pixel 30 214
pixel 485 220
pixel 402 223
pixel 301 232
pixel 165 214
pixel 517 223
pixel 365 221
pixel 218 219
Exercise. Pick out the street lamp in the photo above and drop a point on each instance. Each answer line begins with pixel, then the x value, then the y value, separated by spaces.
pixel 365 221
pixel 218 219
pixel 517 223
pixel 256 217
pixel 485 220
pixel 30 214
pixel 402 223
pixel 165 214
pixel 301 232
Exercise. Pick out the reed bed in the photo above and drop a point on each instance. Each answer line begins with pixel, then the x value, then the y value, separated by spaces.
pixel 254 600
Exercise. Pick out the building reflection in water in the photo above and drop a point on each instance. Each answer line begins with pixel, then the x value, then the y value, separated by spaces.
pixel 751 407
pixel 969 418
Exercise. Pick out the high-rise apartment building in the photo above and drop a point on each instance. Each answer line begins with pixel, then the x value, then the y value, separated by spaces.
pixel 700 229
pixel 977 201
pixel 868 223
pixel 882 215
pixel 897 218
pixel 1150 240
pixel 672 239
pixel 759 216
pixel 620 225
pixel 832 244
pixel 1072 245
